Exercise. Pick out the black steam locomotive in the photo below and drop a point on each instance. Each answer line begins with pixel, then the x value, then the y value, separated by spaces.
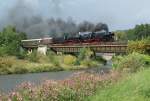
pixel 85 37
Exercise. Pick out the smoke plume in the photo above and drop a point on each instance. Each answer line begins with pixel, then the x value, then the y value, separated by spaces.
pixel 26 18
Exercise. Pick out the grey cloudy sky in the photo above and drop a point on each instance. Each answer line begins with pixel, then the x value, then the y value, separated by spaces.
pixel 118 14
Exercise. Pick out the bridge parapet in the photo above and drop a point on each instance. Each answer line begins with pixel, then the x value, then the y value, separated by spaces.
pixel 95 48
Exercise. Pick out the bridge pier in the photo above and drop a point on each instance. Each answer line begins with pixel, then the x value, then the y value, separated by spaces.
pixel 42 49
pixel 106 56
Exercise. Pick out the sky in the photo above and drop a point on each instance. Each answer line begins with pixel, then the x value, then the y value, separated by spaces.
pixel 118 14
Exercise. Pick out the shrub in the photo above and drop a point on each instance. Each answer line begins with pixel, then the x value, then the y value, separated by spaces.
pixel 10 41
pixel 84 55
pixel 10 65
pixel 138 46
pixel 3 51
pixel 53 58
pixel 133 62
pixel 5 65
pixel 69 60
pixel 33 57
pixel 22 54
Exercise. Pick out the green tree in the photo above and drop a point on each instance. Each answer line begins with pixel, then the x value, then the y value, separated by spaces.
pixel 121 35
pixel 10 41
pixel 139 32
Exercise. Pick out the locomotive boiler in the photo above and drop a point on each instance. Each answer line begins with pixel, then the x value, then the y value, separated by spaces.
pixel 71 39
pixel 85 37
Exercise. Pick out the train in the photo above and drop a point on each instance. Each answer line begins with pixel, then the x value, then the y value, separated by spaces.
pixel 85 37
pixel 80 38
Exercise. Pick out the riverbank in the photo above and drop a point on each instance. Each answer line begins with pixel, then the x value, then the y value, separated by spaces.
pixel 114 86
pixel 9 82
pixel 75 88
pixel 12 65
pixel 133 87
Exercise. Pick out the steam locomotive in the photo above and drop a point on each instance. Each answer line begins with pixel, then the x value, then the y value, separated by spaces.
pixel 85 37
pixel 80 38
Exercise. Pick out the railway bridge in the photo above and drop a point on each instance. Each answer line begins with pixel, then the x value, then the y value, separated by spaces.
pixel 103 47
pixel 97 48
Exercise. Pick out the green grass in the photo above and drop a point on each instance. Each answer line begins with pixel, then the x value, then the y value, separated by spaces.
pixel 134 87
pixel 13 65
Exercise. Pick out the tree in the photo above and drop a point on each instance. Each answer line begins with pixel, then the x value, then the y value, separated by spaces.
pixel 121 35
pixel 10 41
pixel 137 33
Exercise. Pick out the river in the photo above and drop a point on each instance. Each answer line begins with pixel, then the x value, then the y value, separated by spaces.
pixel 9 82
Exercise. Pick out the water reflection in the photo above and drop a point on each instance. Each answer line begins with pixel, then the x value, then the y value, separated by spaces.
pixel 8 82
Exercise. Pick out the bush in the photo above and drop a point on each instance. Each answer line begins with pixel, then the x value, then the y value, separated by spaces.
pixel 33 57
pixel 10 65
pixel 3 51
pixel 138 46
pixel 22 54
pixel 84 55
pixel 53 58
pixel 10 41
pixel 69 60
pixel 132 63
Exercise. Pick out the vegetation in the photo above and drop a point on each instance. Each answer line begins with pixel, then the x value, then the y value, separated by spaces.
pixel 10 41
pixel 134 83
pixel 128 81
pixel 131 63
pixel 139 46
pixel 113 86
pixel 76 88
pixel 12 65
pixel 139 32
pixel 134 87
pixel 36 62
pixel 17 60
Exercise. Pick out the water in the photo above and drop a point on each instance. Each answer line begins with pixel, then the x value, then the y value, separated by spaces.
pixel 9 82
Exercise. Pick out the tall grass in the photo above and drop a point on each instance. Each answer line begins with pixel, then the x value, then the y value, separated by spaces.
pixel 12 65
pixel 131 63
pixel 36 62
pixel 76 88
pixel 135 87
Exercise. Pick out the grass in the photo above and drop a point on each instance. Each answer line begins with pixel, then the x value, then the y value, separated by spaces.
pixel 13 65
pixel 131 62
pixel 35 62
pixel 134 87
pixel 75 88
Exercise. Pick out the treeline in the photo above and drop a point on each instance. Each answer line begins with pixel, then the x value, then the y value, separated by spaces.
pixel 10 41
pixel 139 32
